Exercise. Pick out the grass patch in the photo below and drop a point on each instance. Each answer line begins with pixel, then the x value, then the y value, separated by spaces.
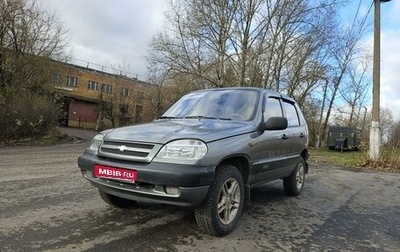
pixel 334 157
pixel 389 160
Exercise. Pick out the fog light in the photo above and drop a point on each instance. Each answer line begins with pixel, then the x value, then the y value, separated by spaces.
pixel 173 190
pixel 158 188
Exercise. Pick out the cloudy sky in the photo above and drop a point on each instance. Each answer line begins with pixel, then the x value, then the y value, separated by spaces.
pixel 390 56
pixel 112 33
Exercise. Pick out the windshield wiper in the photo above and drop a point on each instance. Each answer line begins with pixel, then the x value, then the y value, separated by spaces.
pixel 170 117
pixel 206 117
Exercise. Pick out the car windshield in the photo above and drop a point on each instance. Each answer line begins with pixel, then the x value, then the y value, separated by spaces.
pixel 216 104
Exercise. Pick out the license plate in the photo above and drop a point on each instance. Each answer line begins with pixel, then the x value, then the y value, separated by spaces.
pixel 108 172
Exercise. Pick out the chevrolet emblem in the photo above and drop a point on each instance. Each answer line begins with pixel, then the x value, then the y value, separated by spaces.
pixel 122 148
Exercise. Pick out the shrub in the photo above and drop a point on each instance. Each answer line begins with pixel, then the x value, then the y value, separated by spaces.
pixel 389 160
pixel 26 115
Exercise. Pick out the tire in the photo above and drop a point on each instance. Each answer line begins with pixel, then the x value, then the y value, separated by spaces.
pixel 294 184
pixel 220 212
pixel 116 201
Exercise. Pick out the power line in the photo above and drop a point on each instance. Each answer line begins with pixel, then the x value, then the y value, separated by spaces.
pixel 366 15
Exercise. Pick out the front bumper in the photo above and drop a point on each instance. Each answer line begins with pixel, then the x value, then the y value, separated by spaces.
pixel 174 184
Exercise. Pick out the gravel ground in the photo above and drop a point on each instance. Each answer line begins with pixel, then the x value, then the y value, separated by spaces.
pixel 45 205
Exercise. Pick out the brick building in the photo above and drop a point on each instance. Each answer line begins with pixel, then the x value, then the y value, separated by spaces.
pixel 98 100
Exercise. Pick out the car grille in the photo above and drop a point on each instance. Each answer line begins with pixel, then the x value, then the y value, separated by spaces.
pixel 131 151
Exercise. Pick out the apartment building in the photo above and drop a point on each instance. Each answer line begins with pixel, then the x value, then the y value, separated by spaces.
pixel 94 99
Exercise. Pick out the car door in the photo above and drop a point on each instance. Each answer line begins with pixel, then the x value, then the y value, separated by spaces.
pixel 295 134
pixel 269 147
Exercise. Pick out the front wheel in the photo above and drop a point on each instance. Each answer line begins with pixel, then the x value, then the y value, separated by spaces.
pixel 294 184
pixel 221 210
pixel 116 201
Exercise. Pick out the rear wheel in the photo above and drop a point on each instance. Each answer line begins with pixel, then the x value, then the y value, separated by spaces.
pixel 294 184
pixel 223 205
pixel 116 201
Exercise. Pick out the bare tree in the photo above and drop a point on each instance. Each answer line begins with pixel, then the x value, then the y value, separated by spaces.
pixel 394 135
pixel 386 123
pixel 295 47
pixel 215 39
pixel 249 32
pixel 30 36
pixel 345 50
pixel 355 92
pixel 189 46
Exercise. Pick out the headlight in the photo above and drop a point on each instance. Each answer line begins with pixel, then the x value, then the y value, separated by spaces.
pixel 95 143
pixel 187 149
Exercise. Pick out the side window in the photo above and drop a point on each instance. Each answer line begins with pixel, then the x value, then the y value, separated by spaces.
pixel 272 108
pixel 291 114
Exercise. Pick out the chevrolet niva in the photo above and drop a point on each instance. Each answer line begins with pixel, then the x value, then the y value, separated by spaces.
pixel 206 151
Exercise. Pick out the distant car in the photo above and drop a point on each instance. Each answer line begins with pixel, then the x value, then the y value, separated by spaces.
pixel 207 150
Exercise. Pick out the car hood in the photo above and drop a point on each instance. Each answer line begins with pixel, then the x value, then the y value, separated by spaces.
pixel 163 131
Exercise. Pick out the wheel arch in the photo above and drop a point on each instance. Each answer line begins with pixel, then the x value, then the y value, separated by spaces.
pixel 241 162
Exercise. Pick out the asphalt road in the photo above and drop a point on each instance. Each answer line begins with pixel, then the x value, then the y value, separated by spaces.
pixel 45 205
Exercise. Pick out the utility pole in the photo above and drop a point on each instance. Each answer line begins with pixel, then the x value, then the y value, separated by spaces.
pixel 375 134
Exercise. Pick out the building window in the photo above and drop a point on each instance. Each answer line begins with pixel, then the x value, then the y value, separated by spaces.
pixel 125 92
pixel 72 81
pixel 93 85
pixel 106 88
pixel 56 78
pixel 139 96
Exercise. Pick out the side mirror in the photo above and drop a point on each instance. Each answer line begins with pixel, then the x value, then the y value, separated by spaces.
pixel 276 123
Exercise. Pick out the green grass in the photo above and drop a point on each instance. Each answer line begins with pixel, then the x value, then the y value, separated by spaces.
pixel 334 157
pixel 389 160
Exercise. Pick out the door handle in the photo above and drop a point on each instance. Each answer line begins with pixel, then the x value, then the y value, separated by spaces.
pixel 284 137
pixel 302 135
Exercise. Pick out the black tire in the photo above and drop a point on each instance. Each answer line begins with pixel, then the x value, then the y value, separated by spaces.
pixel 294 184
pixel 116 201
pixel 220 212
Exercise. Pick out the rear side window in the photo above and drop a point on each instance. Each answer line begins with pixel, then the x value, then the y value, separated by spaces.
pixel 272 108
pixel 291 114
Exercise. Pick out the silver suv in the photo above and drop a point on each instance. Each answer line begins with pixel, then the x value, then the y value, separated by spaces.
pixel 207 150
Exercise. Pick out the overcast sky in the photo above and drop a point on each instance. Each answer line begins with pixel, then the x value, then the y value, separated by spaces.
pixel 390 57
pixel 111 33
